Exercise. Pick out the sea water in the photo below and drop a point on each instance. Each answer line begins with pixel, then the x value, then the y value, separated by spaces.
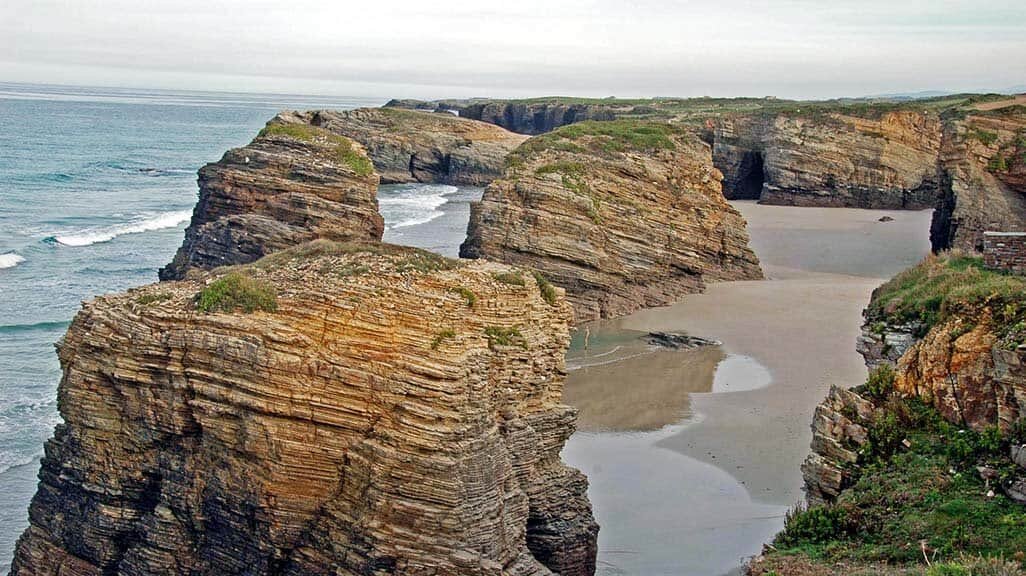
pixel 96 187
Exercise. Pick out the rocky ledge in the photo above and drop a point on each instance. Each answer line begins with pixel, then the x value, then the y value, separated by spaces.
pixel 416 146
pixel 293 183
pixel 378 410
pixel 621 214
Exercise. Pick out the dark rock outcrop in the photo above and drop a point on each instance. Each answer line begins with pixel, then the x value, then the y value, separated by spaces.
pixel 623 215
pixel 378 421
pixel 293 183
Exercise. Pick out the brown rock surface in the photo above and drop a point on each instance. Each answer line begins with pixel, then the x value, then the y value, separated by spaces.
pixel 293 183
pixel 397 413
pixel 622 214
pixel 415 146
pixel 961 368
pixel 839 429
pixel 832 159
pixel 984 187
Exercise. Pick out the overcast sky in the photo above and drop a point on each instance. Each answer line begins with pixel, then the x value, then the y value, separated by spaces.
pixel 418 48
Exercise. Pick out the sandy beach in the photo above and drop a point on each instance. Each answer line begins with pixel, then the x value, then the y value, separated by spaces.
pixel 686 476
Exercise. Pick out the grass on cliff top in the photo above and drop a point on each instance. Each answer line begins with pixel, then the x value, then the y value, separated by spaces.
pixel 904 498
pixel 404 258
pixel 608 136
pixel 236 291
pixel 345 152
pixel 944 283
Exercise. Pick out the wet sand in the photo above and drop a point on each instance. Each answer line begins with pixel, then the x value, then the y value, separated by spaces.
pixel 701 493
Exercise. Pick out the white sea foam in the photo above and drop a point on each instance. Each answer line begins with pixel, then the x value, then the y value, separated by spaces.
pixel 147 224
pixel 409 205
pixel 10 260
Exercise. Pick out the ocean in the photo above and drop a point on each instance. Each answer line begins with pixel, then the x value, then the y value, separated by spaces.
pixel 96 188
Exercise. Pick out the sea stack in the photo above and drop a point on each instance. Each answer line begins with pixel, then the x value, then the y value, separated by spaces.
pixel 330 409
pixel 622 214
pixel 293 183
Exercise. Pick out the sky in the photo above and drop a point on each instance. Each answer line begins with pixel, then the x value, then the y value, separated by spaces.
pixel 463 48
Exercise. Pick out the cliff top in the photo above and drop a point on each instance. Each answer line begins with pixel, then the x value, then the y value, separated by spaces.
pixel 605 138
pixel 950 282
pixel 404 122
pixel 695 109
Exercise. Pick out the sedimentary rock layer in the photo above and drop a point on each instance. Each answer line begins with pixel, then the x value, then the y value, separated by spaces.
pixel 522 117
pixel 832 159
pixel 416 146
pixel 293 183
pixel 397 413
pixel 984 179
pixel 622 214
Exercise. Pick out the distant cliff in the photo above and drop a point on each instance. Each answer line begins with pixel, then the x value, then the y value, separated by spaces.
pixel 622 214
pixel 293 183
pixel 412 146
pixel 331 409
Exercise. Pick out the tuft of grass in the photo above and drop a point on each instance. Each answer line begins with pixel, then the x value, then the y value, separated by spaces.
pixel 929 292
pixel 424 262
pixel 442 336
pixel 147 299
pixel 344 151
pixel 511 278
pixel 499 336
pixel 467 295
pixel 880 383
pixel 547 290
pixel 984 136
pixel 236 291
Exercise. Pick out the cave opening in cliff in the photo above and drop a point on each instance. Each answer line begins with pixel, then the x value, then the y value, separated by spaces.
pixel 750 177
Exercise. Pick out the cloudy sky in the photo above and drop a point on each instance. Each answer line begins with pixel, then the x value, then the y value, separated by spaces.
pixel 414 48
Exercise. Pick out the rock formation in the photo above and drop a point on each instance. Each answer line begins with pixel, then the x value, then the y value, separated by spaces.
pixel 523 117
pixel 622 214
pixel 393 412
pixel 293 183
pixel 411 146
pixel 839 430
pixel 832 159
pixel 984 179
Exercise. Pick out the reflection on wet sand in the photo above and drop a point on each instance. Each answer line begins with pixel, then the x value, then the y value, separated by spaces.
pixel 642 393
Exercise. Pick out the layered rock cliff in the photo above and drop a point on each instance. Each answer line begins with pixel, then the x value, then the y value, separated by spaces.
pixel 379 411
pixel 837 159
pixel 622 214
pixel 984 178
pixel 412 146
pixel 293 183
pixel 524 117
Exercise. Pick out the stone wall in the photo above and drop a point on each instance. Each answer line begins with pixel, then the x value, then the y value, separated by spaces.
pixel 1005 251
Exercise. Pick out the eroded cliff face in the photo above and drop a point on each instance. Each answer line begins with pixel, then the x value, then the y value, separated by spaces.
pixel 535 118
pixel 417 146
pixel 293 183
pixel 984 179
pixel 623 215
pixel 397 413
pixel 832 159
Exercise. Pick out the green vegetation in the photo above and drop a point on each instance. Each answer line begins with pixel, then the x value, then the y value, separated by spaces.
pixel 424 262
pixel 236 291
pixel 548 291
pixel 467 295
pixel 499 336
pixel 147 299
pixel 998 163
pixel 928 292
pixel 344 150
pixel 880 383
pixel 984 136
pixel 572 178
pixel 442 336
pixel 917 487
pixel 511 278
